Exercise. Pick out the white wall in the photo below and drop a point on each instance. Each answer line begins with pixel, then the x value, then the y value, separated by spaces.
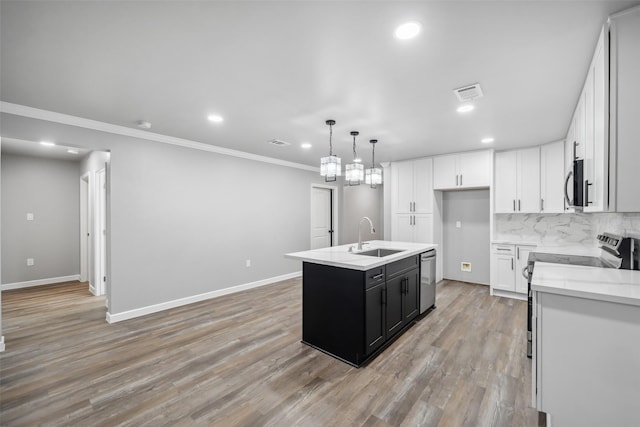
pixel 183 221
pixel 50 190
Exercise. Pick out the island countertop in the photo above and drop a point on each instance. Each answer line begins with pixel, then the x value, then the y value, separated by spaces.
pixel 339 256
pixel 602 284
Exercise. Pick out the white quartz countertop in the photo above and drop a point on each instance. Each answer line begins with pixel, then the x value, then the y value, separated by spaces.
pixel 339 256
pixel 602 284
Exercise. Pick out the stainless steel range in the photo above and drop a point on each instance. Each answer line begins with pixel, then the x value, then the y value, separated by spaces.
pixel 616 252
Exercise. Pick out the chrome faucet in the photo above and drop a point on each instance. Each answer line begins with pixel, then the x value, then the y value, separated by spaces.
pixel 373 230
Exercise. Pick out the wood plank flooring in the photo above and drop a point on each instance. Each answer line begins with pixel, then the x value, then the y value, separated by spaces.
pixel 237 361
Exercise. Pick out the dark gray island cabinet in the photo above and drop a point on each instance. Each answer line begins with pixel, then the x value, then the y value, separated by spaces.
pixel 353 314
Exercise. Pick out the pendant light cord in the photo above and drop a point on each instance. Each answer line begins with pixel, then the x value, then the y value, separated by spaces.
pixel 330 136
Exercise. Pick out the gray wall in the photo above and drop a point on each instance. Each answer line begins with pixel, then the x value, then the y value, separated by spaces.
pixel 470 242
pixel 50 189
pixel 183 221
pixel 358 201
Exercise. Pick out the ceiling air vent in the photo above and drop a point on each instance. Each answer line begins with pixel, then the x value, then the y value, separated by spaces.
pixel 278 142
pixel 468 93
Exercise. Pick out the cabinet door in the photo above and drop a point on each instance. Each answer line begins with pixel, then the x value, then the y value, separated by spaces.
pixel 394 296
pixel 474 169
pixel 528 180
pixel 504 272
pixel 403 187
pixel 506 186
pixel 444 172
pixel 374 318
pixel 423 185
pixel 402 227
pixel 552 177
pixel 597 150
pixel 522 256
pixel 423 228
pixel 411 300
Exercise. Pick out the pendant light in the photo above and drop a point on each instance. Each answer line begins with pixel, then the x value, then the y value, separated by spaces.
pixel 330 166
pixel 373 175
pixel 354 172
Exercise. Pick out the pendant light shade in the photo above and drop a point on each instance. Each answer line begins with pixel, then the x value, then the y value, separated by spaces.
pixel 373 175
pixel 330 166
pixel 354 172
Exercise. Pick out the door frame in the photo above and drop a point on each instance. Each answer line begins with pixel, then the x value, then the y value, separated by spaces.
pixel 335 222
pixel 85 227
pixel 100 227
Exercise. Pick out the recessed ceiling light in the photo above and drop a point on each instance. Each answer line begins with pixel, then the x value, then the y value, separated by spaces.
pixel 47 143
pixel 215 118
pixel 305 145
pixel 71 151
pixel 487 140
pixel 465 108
pixel 357 160
pixel 142 124
pixel 408 30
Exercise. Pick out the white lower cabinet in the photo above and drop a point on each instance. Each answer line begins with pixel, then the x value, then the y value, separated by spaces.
pixel 416 228
pixel 508 261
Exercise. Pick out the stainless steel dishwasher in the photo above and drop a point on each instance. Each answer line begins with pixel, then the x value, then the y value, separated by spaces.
pixel 427 280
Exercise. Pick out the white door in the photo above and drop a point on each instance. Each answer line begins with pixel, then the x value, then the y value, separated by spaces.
pixel 505 187
pixel 85 227
pixel 504 273
pixel 101 232
pixel 321 218
pixel 402 228
pixel 423 186
pixel 528 180
pixel 552 177
pixel 423 228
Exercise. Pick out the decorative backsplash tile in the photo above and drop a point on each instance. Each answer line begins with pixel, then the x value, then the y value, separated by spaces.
pixel 565 228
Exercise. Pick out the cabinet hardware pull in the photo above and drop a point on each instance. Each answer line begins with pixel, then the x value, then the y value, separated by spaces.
pixel 514 205
pixel 575 150
pixel 587 184
pixel 456 180
pixel 518 253
pixel 541 205
pixel 519 205
pixel 512 263
pixel 378 276
pixel 461 180
pixel 503 249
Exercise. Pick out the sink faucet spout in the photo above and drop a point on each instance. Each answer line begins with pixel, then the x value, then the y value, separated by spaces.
pixel 373 230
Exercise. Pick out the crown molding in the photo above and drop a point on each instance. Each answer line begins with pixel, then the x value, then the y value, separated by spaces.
pixel 65 119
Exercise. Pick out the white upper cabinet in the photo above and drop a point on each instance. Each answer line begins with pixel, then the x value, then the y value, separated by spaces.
pixel 596 144
pixel 462 170
pixel 412 186
pixel 517 186
pixel 552 177
pixel 588 137
pixel 625 111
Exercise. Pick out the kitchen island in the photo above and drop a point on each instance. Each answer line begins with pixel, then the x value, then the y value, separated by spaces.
pixel 354 305
pixel 586 344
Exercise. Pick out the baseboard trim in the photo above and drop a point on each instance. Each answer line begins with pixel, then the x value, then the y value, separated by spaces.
pixel 1 343
pixel 143 311
pixel 508 294
pixel 39 282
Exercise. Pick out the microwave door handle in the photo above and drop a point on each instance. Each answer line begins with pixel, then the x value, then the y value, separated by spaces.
pixel 566 189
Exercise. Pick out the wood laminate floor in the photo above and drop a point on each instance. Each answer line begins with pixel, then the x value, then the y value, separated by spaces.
pixel 238 360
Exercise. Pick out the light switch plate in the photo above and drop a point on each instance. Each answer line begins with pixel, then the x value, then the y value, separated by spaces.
pixel 458 224
pixel 30 216
pixel 30 262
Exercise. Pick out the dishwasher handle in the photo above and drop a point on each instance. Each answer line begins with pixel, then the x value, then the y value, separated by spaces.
pixel 428 255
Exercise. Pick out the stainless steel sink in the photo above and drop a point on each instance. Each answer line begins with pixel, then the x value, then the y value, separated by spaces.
pixel 379 252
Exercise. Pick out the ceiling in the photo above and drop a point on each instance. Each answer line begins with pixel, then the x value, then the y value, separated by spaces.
pixel 280 69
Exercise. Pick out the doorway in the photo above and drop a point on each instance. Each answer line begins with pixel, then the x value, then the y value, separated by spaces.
pixel 100 232
pixel 323 216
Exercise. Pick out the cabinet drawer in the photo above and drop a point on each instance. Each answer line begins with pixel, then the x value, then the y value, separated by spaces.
pixel 504 249
pixel 374 277
pixel 402 265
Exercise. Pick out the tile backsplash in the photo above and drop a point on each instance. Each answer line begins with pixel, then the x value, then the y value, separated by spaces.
pixel 565 228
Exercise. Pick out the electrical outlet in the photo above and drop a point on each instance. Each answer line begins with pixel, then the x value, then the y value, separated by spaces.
pixel 30 262
pixel 465 266
pixel 458 224
pixel 30 216
pixel 248 263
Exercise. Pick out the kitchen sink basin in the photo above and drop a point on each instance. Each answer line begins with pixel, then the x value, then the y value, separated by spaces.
pixel 379 252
